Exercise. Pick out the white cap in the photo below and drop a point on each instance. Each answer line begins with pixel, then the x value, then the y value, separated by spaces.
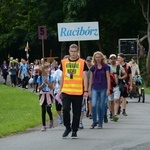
pixel 112 55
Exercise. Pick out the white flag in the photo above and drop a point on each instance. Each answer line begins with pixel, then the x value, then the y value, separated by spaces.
pixel 27 47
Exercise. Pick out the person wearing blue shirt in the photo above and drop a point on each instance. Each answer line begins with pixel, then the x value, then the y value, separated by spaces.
pixel 45 85
pixel 24 74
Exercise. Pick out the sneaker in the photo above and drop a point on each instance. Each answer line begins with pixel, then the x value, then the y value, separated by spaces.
pixel 90 116
pixel 74 135
pixel 81 125
pixel 105 119
pixel 51 124
pixel 87 114
pixel 115 118
pixel 111 116
pixel 99 127
pixel 60 120
pixel 93 125
pixel 125 114
pixel 43 128
pixel 65 134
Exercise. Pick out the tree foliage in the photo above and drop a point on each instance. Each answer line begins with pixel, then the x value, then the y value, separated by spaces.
pixel 19 20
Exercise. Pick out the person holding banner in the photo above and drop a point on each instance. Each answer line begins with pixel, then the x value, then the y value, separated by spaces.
pixel 73 87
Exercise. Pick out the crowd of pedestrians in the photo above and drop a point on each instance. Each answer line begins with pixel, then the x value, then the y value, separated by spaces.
pixel 96 86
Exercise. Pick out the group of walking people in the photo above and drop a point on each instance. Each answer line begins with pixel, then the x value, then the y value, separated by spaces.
pixel 76 80
pixel 90 79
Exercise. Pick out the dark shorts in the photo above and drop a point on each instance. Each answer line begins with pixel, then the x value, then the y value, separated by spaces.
pixel 35 79
pixel 5 76
pixel 89 98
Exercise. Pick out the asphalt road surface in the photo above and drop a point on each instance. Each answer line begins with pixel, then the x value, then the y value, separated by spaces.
pixel 131 132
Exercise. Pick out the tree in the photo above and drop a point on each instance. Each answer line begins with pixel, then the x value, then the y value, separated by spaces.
pixel 145 5
pixel 117 19
pixel 19 20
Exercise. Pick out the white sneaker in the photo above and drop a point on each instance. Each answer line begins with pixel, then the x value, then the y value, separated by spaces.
pixel 81 125
pixel 60 120
pixel 43 128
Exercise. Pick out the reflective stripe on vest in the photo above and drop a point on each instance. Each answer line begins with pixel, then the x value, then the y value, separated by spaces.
pixel 73 86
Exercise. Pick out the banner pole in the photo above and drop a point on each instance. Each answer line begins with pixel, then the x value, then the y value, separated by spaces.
pixel 42 47
pixel 27 55
pixel 79 48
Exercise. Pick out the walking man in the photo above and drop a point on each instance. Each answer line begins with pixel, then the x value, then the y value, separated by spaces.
pixel 128 80
pixel 73 87
pixel 114 97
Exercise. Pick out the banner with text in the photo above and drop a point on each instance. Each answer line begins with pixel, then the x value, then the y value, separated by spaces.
pixel 79 31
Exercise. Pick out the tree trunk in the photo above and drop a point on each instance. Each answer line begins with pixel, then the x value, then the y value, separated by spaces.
pixel 148 57
pixel 145 12
pixel 141 49
pixel 147 83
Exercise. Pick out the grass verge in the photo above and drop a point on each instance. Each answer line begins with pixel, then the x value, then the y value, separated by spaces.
pixel 147 90
pixel 19 110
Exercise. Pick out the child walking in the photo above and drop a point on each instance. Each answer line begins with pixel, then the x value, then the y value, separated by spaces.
pixel 45 85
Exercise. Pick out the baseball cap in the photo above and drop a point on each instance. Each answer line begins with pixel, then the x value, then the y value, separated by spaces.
pixel 112 55
pixel 89 58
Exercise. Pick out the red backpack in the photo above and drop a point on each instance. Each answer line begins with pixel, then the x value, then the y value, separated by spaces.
pixel 112 82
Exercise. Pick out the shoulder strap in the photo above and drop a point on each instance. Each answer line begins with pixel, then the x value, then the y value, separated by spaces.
pixel 117 69
pixel 127 67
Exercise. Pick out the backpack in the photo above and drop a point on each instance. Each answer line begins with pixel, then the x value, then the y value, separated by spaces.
pixel 112 82
pixel 112 79
pixel 118 68
pixel 123 86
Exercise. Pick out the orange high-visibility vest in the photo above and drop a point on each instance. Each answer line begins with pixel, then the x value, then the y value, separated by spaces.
pixel 72 86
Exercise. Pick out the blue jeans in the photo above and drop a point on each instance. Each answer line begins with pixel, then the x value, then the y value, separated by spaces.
pixel 106 106
pixel 98 105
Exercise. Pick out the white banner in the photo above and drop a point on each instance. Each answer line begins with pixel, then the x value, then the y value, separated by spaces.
pixel 79 31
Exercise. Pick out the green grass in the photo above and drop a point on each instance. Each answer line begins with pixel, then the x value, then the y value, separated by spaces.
pixel 19 110
pixel 147 90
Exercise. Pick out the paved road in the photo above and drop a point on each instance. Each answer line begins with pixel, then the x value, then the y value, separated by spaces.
pixel 129 133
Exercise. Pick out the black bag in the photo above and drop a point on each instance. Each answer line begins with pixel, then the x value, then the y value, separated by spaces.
pixel 123 88
pixel 25 82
